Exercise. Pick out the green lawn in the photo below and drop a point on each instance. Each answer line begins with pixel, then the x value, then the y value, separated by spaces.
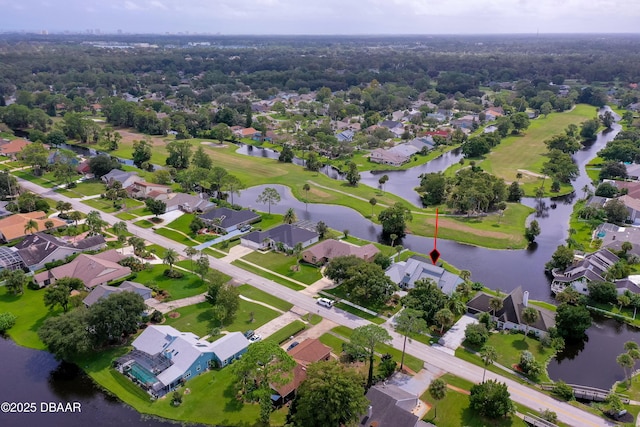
pixel 47 180
pixel 359 313
pixel 30 313
pixel 258 295
pixel 365 165
pixel 125 216
pixel 332 341
pixel 383 309
pixel 268 220
pixel 182 223
pixel 510 346
pixel 187 286
pixel 287 332
pixel 212 386
pixel 103 205
pixel 281 264
pixel 284 282
pixel 584 228
pixel 86 188
pixel 200 319
pixel 174 235
pixel 526 151
pixel 144 223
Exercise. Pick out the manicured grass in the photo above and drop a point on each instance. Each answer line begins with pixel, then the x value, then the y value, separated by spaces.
pixel 267 275
pixel 187 286
pixel 412 362
pixel 212 386
pixel 103 205
pixel 287 332
pixel 313 319
pixel 88 188
pixel 332 341
pixel 174 235
pixel 229 244
pixel 268 221
pixel 526 151
pixel 141 211
pixel 214 253
pixel 349 309
pixel 30 313
pixel 383 309
pixel 158 250
pixel 144 224
pixel 125 216
pixel 200 318
pixel 584 228
pixel 46 180
pixel 182 223
pixel 633 392
pixel 258 295
pixel 454 411
pixel 281 264
pixel 364 164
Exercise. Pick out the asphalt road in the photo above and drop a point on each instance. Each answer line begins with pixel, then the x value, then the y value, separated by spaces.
pixel 519 393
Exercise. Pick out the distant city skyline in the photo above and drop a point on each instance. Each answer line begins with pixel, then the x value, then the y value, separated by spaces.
pixel 344 17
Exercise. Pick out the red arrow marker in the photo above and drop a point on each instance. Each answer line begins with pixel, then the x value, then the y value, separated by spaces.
pixel 435 254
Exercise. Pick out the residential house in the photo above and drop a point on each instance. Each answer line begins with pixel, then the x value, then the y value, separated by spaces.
pixel 57 156
pixel 597 202
pixel 103 291
pixel 422 143
pixel 125 178
pixel 285 234
pixel 229 219
pixel 345 136
pixel 391 125
pixel 404 149
pixel 439 117
pixel 440 133
pixel 164 357
pixel 613 236
pixel 406 273
pixel 93 270
pixel 633 171
pixel 308 351
pixel 38 249
pixel 13 148
pixel 633 207
pixel 328 249
pixel 586 268
pixel 391 406
pixel 245 132
pixel 510 315
pixel 465 122
pixel 10 260
pixel 632 188
pixel 387 157
pixel 186 202
pixel 84 169
pixel 143 190
pixel 13 227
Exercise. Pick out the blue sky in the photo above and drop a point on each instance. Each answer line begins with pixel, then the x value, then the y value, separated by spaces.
pixel 324 16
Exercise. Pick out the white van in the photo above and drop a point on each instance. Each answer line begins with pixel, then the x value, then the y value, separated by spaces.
pixel 325 302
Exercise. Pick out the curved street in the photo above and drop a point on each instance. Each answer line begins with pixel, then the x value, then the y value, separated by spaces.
pixel 521 394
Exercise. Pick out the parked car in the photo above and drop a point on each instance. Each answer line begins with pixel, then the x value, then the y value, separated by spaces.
pixel 325 302
pixel 245 228
pixel 255 338
pixel 249 334
pixel 292 345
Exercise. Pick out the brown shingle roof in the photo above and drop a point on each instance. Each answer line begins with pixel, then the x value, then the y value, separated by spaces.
pixel 331 248
pixel 91 269
pixel 13 227
pixel 13 147
pixel 310 351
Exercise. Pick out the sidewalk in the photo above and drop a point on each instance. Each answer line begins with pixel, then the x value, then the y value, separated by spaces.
pixel 165 307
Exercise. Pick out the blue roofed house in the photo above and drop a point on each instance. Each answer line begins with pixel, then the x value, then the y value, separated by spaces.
pixel 406 273
pixel 422 143
pixel 228 219
pixel 345 136
pixel 286 234
pixel 164 357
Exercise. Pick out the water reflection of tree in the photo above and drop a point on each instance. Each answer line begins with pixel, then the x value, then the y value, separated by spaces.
pixel 572 349
pixel 542 210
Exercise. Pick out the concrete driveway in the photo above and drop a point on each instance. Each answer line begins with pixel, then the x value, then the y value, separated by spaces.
pixel 454 336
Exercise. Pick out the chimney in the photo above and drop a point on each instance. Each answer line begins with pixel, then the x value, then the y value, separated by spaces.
pixel 525 298
pixel 370 412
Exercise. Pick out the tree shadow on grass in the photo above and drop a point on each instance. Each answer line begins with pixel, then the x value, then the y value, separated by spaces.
pixel 233 404
pixel 471 418
pixel 520 345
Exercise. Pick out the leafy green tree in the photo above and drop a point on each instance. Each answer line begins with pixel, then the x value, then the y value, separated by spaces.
pixel 269 196
pixel 491 399
pixel 560 166
pixel 602 292
pixel 141 152
pixel 95 223
pixel 368 283
pixel 476 334
pixel 35 155
pixel 196 225
pixel 221 132
pixel 286 156
pixel 7 321
pixel 427 297
pixel 561 258
pixel 433 186
pixel 495 305
pixel 231 184
pixel 313 162
pixel 72 283
pixel 67 336
pixel 564 143
pixel 572 321
pixel 607 119
pixel 532 231
pixel 606 190
pixel 366 338
pixel 75 216
pixel 394 219
pixel 190 252
pixel 626 362
pixel 589 129
pixel 616 211
pixel 529 316
pixel 520 122
pixel 445 318
pixel 353 176
pixel 102 165
pixel 201 159
pixel 156 207
pixel 179 154
pixel 14 281
pixel 331 395
pixel 437 391
pixel 338 268
pixel 409 322
pixel 30 226
pixel 322 229
pixel 115 317
pixel 57 295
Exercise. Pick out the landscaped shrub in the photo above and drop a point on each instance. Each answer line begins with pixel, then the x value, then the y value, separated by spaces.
pixel 176 398
pixel 133 263
pixel 173 274
pixel 7 320
pixel 477 286
pixel 476 334
pixel 156 317
pixel 387 366
pixel 529 365
pixel 563 391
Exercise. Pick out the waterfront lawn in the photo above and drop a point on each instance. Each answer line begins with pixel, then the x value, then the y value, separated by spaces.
pixel 268 221
pixel 282 264
pixel 284 334
pixel 584 228
pixel 510 346
pixel 30 313
pixel 633 392
pixel 212 386
pixel 200 318
pixel 258 295
pixel 187 286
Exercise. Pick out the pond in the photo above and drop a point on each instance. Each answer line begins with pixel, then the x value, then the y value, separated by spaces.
pixel 35 376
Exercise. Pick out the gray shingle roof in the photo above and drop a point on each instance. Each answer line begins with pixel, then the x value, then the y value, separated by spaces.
pixel 103 291
pixel 229 345
pixel 230 217
pixel 286 233
pixel 406 273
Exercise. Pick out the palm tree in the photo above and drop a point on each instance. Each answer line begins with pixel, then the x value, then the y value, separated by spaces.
pixel 170 257
pixel 306 187
pixel 372 202
pixel 393 238
pixel 635 303
pixel 75 216
pixel 518 176
pixel 190 252
pixel 623 301
pixel 297 250
pixel 455 304
pixel 445 318
pixel 586 190
pixel 465 275
pixel 631 345
pixel 539 193
pixel 568 295
pixel 488 355
pixel 438 391
pixel 63 206
pixel 48 224
pixel 529 317
pixel 464 290
pixel 290 216
pixel 495 305
pixel 409 321
pixel 626 362
pixel 31 225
